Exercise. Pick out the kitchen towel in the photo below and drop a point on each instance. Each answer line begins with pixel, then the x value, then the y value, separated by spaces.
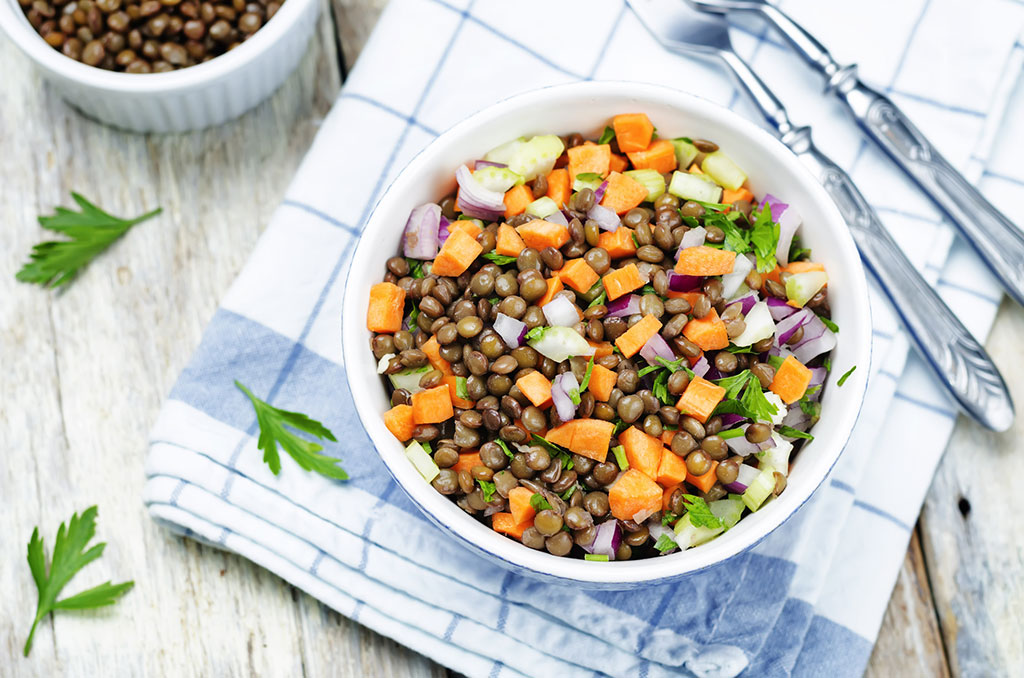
pixel 808 600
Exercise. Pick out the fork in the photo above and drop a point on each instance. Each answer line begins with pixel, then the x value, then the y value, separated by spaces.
pixel 997 241
pixel 958 360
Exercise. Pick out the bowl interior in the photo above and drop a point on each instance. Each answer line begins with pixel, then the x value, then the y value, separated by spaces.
pixel 586 108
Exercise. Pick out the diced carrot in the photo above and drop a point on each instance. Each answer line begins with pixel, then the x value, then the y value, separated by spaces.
pixel 386 308
pixel 453 389
pixel 559 188
pixel 509 242
pixel 591 438
pixel 399 421
pixel 539 234
pixel 618 163
pixel 457 253
pixel 803 267
pixel 602 381
pixel 623 193
pixel 632 340
pixel 562 435
pixel 467 225
pixel 643 452
pixel 742 193
pixel 506 524
pixel 703 261
pixel 577 274
pixel 633 131
pixel 704 482
pixel 554 287
pixel 695 169
pixel 791 380
pixel 589 159
pixel 432 406
pixel 618 243
pixel 433 351
pixel 700 399
pixel 467 460
pixel 632 494
pixel 601 348
pixel 660 156
pixel 671 470
pixel 519 504
pixel 622 281
pixel 666 496
pixel 517 199
pixel 691 297
pixel 667 436
pixel 708 332
pixel 536 387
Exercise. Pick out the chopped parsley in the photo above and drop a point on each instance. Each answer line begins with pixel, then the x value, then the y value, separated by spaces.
pixel 811 409
pixel 753 399
pixel 415 268
pixel 842 379
pixel 568 493
pixel 599 557
pixel 538 502
pixel 667 518
pixel 460 388
pixel 665 543
pixel 599 299
pixel 791 432
pixel 499 259
pixel 716 206
pixel 536 333
pixel 730 433
pixel 620 457
pixel 829 324
pixel 648 289
pixel 488 489
pixel 775 361
pixel 734 384
pixel 620 426
pixel 504 448
pixel 660 388
pixel 414 317
pixel 699 512
pixel 554 450
pixel 586 375
pixel 606 136
pixel 764 236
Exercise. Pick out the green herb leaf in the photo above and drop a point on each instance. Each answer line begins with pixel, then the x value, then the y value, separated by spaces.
pixel 754 400
pixel 647 370
pixel 827 364
pixel 734 384
pixel 574 396
pixel 735 238
pixel 764 236
pixel 732 348
pixel 539 503
pixel 700 514
pixel 599 557
pixel 620 426
pixel 69 556
pixel 599 299
pixel 536 333
pixel 791 432
pixel 620 457
pixel 415 268
pixel 504 448
pixel 730 433
pixel 667 518
pixel 414 317
pixel 589 176
pixel 606 136
pixel 716 206
pixel 842 379
pixel 557 451
pixel 811 409
pixel 306 453
pixel 461 390
pixel 829 324
pixel 648 289
pixel 665 543
pixel 568 493
pixel 488 489
pixel 811 390
pixel 499 259
pixel 660 388
pixel 675 365
pixel 55 263
pixel 776 361
pixel 796 251
pixel 586 375
pixel 733 407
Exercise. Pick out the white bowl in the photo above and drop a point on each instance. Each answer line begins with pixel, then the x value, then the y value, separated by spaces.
pixel 587 107
pixel 190 98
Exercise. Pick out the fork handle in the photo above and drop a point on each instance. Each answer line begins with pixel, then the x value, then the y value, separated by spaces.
pixel 998 242
pixel 960 362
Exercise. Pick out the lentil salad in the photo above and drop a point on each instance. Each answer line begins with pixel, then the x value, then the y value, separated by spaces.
pixel 603 348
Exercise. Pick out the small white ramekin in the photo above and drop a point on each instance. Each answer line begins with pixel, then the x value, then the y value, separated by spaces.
pixel 191 98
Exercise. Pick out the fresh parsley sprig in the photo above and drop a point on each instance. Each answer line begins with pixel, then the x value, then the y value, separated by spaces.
pixel 68 558
pixel 699 512
pixel 55 263
pixel 274 430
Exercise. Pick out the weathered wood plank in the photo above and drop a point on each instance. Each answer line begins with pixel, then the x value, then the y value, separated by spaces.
pixel 355 20
pixel 973 540
pixel 909 642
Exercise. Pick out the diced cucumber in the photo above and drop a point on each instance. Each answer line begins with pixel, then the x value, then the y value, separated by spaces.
pixel 542 207
pixel 497 179
pixel 685 152
pixel 409 378
pixel 800 287
pixel 589 180
pixel 728 511
pixel 422 461
pixel 561 343
pixel 650 179
pixel 505 152
pixel 723 170
pixel 687 535
pixel 536 157
pixel 760 488
pixel 759 324
pixel 776 458
pixel 694 187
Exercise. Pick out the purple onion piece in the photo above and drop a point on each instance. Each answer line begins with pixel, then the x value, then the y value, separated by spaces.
pixel 779 308
pixel 599 193
pixel 475 199
pixel 702 366
pixel 442 231
pixel 560 389
pixel 683 283
pixel 624 306
pixel 420 238
pixel 657 347
pixel 747 302
pixel 607 540
pixel 729 419
pixel 775 205
pixel 510 330
pixel 693 238
pixel 789 222
pixel 488 163
pixel 557 218
pixel 605 218
pixel 788 326
pixel 743 479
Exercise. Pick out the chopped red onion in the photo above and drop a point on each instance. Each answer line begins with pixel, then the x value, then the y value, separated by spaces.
pixel 442 231
pixel 607 539
pixel 624 306
pixel 743 478
pixel 701 367
pixel 776 206
pixel 475 200
pixel 796 418
pixel 561 386
pixel 732 282
pixel 779 308
pixel 599 193
pixel 657 347
pixel 747 300
pixel 693 238
pixel 818 375
pixel 683 283
pixel 817 339
pixel 788 326
pixel 605 218
pixel 420 239
pixel 488 163
pixel 729 419
pixel 789 222
pixel 743 447
pixel 510 330
pixel 557 218
pixel 561 312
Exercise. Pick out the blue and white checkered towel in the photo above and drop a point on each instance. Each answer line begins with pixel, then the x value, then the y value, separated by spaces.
pixel 808 601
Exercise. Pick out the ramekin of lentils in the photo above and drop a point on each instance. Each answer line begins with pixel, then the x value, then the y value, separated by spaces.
pixel 604 348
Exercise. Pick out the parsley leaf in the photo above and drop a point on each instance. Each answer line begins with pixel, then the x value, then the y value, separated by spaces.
pixel 620 426
pixel 791 432
pixel 586 375
pixel 700 514
pixel 306 453
pixel 675 365
pixel 733 348
pixel 829 324
pixel 599 299
pixel 55 263
pixel 764 236
pixel 539 503
pixel 566 495
pixel 647 370
pixel 555 450
pixel 415 268
pixel 648 289
pixel 776 361
pixel 734 384
pixel 796 252
pixel 620 457
pixel 842 379
pixel 574 396
pixel 827 364
pixel 536 333
pixel 811 409
pixel 754 400
pixel 660 388
pixel 487 487
pixel 414 317
pixel 67 559
pixel 733 407
pixel 730 433
pixel 667 518
pixel 606 136
pixel 504 448
pixel 665 543
pixel 499 259
pixel 461 391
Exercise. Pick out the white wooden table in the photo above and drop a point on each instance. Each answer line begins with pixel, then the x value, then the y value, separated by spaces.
pixel 84 374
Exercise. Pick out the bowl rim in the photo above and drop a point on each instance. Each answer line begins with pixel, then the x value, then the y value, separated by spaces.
pixel 582 572
pixel 20 31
